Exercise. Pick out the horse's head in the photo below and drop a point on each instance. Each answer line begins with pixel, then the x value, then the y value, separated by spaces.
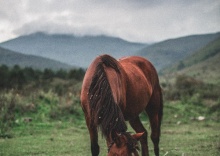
pixel 125 144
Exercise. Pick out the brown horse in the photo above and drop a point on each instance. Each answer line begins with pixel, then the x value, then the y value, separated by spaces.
pixel 114 91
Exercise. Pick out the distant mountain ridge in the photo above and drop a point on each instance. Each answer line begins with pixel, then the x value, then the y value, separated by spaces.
pixel 10 58
pixel 203 64
pixel 168 52
pixel 80 51
pixel 70 49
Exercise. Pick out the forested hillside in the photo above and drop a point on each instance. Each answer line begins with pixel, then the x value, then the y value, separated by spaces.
pixel 168 52
pixel 203 64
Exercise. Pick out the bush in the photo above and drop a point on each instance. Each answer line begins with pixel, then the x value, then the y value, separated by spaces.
pixel 215 110
pixel 190 90
pixel 7 116
pixel 66 110
pixel 187 86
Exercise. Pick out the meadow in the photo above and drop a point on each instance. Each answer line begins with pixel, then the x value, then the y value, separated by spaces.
pixel 65 138
pixel 44 117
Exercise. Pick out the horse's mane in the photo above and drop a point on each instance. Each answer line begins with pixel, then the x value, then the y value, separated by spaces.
pixel 105 112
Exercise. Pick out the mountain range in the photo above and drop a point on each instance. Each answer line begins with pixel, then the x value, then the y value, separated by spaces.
pixel 80 51
pixel 168 52
pixel 203 64
pixel 70 49
pixel 11 58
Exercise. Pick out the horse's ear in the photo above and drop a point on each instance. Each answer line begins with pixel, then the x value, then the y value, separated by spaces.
pixel 138 136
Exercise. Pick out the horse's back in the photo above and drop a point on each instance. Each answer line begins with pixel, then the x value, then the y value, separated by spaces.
pixel 139 65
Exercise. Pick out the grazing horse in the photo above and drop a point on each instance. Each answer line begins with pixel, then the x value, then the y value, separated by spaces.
pixel 115 91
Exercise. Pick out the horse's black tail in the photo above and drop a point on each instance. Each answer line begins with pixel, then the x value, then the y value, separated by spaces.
pixel 104 108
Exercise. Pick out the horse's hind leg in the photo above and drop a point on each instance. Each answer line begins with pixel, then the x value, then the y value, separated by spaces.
pixel 94 142
pixel 93 138
pixel 155 132
pixel 155 112
pixel 139 128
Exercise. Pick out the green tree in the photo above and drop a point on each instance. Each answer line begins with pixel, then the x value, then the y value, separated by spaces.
pixel 77 74
pixel 16 78
pixel 61 74
pixel 48 74
pixel 4 73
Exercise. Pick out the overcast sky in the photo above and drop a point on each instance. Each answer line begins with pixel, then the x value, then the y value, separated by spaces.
pixel 132 20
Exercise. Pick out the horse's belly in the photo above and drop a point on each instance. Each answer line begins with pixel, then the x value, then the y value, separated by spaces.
pixel 138 96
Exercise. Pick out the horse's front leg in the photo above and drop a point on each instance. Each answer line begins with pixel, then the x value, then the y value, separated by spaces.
pixel 139 128
pixel 93 138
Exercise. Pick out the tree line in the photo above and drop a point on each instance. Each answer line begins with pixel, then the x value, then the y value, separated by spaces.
pixel 17 77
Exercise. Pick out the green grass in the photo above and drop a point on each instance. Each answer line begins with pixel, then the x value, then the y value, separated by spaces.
pixel 65 138
pixel 198 138
pixel 46 139
pixel 58 126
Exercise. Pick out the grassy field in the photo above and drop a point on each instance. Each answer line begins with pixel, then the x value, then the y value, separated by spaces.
pixel 180 136
pixel 47 119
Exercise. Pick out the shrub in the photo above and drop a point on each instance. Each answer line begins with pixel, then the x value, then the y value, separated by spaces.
pixel 7 116
pixel 184 88
pixel 67 110
pixel 187 85
pixel 215 110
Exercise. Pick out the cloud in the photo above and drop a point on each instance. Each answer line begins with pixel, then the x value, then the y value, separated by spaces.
pixel 140 20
